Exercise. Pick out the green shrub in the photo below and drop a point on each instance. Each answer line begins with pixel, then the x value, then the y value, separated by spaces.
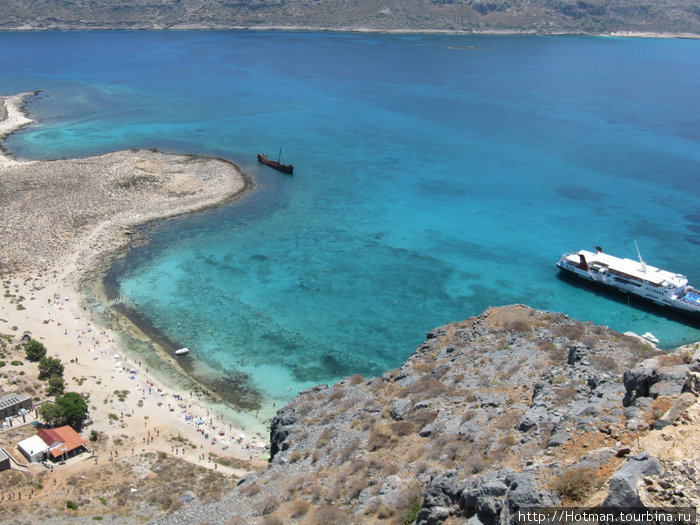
pixel 72 505
pixel 56 385
pixel 50 366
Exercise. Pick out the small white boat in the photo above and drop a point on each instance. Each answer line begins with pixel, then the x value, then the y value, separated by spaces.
pixel 650 337
pixel 182 351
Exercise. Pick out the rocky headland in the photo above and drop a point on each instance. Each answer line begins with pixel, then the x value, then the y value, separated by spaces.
pixel 514 408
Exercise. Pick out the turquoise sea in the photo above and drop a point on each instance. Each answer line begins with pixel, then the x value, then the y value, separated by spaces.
pixel 435 176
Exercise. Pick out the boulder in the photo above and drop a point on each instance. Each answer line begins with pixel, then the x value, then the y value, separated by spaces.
pixel 188 497
pixel 427 430
pixel 281 427
pixel 692 382
pixel 680 405
pixel 641 380
pixel 665 388
pixel 400 408
pixel 638 381
pixel 576 352
pixel 495 496
pixel 523 492
pixel 558 437
pixel 623 483
pixel 433 515
pixel 442 490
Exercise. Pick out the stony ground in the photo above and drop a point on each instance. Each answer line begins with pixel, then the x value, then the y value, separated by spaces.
pixel 515 407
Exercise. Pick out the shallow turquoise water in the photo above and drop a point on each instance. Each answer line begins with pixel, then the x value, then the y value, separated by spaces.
pixel 430 181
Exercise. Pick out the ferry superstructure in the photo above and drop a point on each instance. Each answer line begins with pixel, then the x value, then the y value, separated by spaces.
pixel 636 277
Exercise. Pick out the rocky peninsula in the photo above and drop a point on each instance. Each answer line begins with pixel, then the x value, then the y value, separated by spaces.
pixel 76 210
pixel 514 408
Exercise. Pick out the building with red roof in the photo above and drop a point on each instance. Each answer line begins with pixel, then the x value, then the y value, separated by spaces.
pixel 63 442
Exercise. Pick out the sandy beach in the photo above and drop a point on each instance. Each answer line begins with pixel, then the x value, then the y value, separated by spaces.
pixel 62 221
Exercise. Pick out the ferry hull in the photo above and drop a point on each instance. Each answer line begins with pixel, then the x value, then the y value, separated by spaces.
pixel 584 279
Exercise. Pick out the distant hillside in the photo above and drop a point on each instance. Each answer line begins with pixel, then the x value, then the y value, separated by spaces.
pixel 536 16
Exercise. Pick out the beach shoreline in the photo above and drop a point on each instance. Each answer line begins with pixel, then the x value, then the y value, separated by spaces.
pixel 363 30
pixel 55 255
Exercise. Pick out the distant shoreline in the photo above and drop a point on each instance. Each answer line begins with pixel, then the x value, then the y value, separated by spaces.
pixel 362 30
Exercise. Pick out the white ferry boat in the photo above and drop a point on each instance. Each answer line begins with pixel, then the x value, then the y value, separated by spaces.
pixel 659 286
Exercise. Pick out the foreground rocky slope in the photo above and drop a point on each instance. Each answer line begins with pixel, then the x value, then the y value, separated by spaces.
pixel 510 409
pixel 540 16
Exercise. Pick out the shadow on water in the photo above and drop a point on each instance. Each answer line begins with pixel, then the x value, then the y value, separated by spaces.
pixel 630 300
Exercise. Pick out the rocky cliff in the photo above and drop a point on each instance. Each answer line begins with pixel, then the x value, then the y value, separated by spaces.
pixel 539 16
pixel 510 409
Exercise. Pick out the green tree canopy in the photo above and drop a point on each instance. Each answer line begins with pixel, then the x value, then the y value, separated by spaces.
pixel 56 385
pixel 68 409
pixel 34 350
pixel 50 366
pixel 51 414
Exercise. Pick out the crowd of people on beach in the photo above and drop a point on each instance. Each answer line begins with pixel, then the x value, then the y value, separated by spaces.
pixel 211 429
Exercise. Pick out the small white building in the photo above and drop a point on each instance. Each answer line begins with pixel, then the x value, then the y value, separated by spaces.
pixel 34 448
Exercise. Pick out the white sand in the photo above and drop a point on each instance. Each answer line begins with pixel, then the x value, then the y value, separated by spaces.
pixel 14 119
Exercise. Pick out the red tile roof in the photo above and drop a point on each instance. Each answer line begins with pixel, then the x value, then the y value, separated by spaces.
pixel 50 436
pixel 64 438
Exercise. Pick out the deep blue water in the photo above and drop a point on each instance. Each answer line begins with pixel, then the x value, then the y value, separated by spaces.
pixel 431 181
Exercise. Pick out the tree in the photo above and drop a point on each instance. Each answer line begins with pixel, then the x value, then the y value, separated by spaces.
pixel 74 407
pixel 56 385
pixel 51 414
pixel 50 366
pixel 68 409
pixel 34 350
